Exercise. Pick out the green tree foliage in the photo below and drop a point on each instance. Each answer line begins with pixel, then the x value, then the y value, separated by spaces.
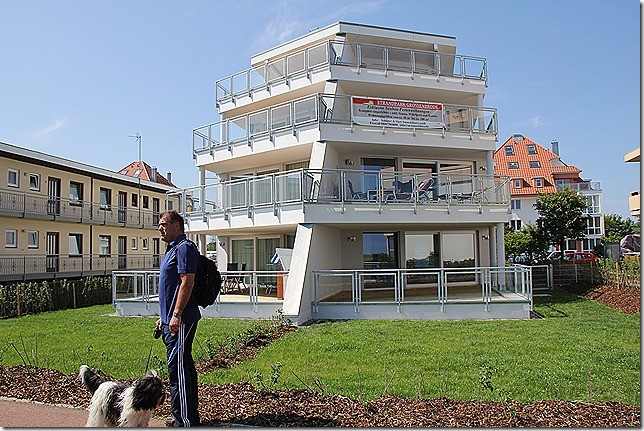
pixel 616 227
pixel 529 242
pixel 561 216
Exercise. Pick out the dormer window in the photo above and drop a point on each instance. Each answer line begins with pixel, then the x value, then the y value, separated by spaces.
pixel 509 150
pixel 513 165
pixel 532 149
pixel 517 184
pixel 538 182
pixel 535 164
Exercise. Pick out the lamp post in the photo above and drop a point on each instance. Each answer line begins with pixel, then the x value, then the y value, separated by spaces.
pixel 139 198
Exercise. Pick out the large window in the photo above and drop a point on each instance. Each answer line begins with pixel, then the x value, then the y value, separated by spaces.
pixel 458 250
pixel 75 193
pixel 594 225
pixel 105 245
pixel 593 204
pixel 106 198
pixel 422 250
pixel 76 244
pixel 380 250
pixel 242 252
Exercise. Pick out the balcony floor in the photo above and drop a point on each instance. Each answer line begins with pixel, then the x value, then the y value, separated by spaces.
pixel 424 294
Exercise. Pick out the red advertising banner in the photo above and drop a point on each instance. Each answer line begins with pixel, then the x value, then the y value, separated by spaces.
pixel 371 111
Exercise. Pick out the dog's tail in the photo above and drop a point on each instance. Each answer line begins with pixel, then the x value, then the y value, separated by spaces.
pixel 90 378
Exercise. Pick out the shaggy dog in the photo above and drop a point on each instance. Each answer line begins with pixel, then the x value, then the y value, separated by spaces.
pixel 117 404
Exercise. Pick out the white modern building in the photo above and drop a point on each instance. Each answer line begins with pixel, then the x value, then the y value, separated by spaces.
pixel 355 181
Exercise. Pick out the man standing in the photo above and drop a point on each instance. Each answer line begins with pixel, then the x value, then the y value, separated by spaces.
pixel 179 317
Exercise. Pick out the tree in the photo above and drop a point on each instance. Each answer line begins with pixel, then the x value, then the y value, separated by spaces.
pixel 561 216
pixel 529 241
pixel 616 227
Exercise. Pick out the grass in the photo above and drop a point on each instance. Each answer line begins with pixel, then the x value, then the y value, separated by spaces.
pixel 582 350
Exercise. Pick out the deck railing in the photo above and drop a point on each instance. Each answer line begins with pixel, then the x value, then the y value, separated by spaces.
pixel 60 266
pixel 516 279
pixel 325 186
pixel 339 53
pixel 324 108
pixel 29 205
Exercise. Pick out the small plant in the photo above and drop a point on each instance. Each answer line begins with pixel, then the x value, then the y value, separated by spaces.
pixel 486 371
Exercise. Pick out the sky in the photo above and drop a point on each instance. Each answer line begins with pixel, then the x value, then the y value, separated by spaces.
pixel 78 78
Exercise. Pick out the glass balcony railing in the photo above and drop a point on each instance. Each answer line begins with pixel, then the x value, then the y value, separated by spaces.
pixel 342 186
pixel 585 186
pixel 324 108
pixel 338 53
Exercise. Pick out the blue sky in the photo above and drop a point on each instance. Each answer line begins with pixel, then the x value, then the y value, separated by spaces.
pixel 77 77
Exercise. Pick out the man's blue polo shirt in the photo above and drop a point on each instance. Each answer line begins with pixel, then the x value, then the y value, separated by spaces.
pixel 180 258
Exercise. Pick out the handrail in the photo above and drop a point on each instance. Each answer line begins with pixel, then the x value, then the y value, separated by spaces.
pixel 322 108
pixel 331 186
pixel 26 204
pixel 340 53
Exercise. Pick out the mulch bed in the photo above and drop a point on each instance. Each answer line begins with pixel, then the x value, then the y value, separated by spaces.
pixel 623 299
pixel 240 403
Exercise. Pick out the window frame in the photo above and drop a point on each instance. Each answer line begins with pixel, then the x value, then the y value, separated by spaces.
pixel 37 186
pixel 17 173
pixel 515 204
pixel 30 234
pixel 145 202
pixel 535 164
pixel 77 236
pixel 538 183
pixel 108 198
pixel 518 184
pixel 145 243
pixel 134 243
pixel 509 150
pixel 109 245
pixel 135 200
pixel 14 244
pixel 532 149
pixel 76 201
pixel 513 165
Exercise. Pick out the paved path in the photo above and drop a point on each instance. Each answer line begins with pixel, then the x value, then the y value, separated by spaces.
pixel 27 414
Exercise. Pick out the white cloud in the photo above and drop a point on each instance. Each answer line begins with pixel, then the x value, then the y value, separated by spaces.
pixel 535 122
pixel 42 133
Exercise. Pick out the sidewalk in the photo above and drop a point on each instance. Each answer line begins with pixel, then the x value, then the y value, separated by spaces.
pixel 27 414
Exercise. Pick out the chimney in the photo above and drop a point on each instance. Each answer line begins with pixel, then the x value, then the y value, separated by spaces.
pixel 555 147
pixel 169 177
pixel 153 174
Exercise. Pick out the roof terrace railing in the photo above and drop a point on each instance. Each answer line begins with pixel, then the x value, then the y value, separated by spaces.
pixel 386 58
pixel 331 186
pixel 323 108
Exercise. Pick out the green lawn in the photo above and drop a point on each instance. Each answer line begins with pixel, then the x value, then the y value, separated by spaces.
pixel 582 350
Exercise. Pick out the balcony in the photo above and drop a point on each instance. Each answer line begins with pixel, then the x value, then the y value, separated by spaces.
pixel 38 267
pixel 35 206
pixel 323 56
pixel 294 117
pixel 584 186
pixel 341 189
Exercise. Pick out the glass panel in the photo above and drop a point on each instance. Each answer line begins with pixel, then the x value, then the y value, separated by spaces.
pixel 242 252
pixel 373 56
pixel 258 122
pixel 344 54
pixel 237 129
pixel 424 62
pixel 237 194
pixel 104 245
pixel 287 187
pixel 295 63
pixel 265 251
pixel 399 59
pixel 280 117
pixel 304 110
pixel 457 118
pixel 317 55
pixel 257 77
pixel 240 83
pixel 379 250
pixel 261 190
pixel 458 250
pixel 422 251
pixel 276 69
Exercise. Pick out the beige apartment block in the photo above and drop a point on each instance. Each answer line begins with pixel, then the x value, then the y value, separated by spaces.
pixel 634 198
pixel 63 218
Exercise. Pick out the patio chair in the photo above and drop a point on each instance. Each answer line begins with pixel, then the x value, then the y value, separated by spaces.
pixel 355 195
pixel 402 191
pixel 229 282
pixel 425 190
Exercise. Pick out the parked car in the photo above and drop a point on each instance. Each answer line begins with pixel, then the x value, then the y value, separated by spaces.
pixel 580 256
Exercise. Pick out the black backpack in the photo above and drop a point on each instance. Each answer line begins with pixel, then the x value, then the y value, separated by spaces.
pixel 207 280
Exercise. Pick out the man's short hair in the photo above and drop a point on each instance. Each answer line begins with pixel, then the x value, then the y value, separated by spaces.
pixel 174 216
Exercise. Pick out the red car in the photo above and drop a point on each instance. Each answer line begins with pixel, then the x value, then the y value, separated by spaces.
pixel 579 256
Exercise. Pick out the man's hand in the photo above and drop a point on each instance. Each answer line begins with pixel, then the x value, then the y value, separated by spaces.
pixel 175 322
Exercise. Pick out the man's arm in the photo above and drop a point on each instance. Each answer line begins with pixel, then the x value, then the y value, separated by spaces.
pixel 185 290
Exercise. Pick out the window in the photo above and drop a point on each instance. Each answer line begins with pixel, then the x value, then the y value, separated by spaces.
pixel 538 182
pixel 517 184
pixel 509 150
pixel 515 204
pixel 145 243
pixel 75 244
pixel 146 202
pixel 13 178
pixel 106 199
pixel 535 164
pixel 34 182
pixel 593 204
pixel 513 165
pixel 135 200
pixel 75 193
pixel 515 225
pixel 32 239
pixel 11 238
pixel 532 149
pixel 134 243
pixel 560 184
pixel 594 226
pixel 104 245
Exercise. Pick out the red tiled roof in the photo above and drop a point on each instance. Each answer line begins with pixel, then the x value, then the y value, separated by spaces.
pixel 547 171
pixel 145 173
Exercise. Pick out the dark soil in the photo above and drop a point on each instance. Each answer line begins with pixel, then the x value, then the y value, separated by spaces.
pixel 240 403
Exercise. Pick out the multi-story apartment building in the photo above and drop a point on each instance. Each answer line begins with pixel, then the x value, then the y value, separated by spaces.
pixel 360 158
pixel 534 170
pixel 634 198
pixel 62 218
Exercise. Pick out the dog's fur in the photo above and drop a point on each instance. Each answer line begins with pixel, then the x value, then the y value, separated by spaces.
pixel 117 404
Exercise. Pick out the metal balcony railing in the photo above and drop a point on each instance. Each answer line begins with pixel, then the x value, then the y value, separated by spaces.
pixel 59 266
pixel 326 186
pixel 585 186
pixel 338 53
pixel 323 108
pixel 30 205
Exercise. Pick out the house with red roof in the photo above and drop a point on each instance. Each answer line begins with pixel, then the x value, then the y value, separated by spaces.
pixel 533 170
pixel 146 172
